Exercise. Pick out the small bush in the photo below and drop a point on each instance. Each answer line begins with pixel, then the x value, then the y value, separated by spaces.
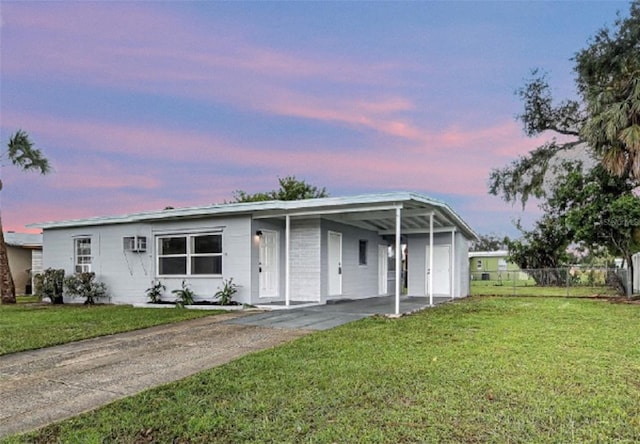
pixel 83 285
pixel 225 294
pixel 185 295
pixel 50 284
pixel 155 292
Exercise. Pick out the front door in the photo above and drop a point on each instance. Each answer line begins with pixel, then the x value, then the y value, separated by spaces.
pixel 383 267
pixel 441 270
pixel 335 263
pixel 268 265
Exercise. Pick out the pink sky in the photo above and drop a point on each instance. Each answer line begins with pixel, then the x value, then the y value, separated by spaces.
pixel 143 105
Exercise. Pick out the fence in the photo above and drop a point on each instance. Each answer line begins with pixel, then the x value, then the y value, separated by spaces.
pixel 570 282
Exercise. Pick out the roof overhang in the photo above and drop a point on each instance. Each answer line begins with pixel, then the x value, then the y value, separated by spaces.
pixel 375 212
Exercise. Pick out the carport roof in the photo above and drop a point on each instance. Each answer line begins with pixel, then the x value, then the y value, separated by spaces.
pixel 370 211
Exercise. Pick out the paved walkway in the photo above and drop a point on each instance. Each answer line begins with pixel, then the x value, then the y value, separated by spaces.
pixel 43 386
pixel 47 385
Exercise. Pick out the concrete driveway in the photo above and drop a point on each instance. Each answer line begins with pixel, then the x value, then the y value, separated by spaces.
pixel 43 386
pixel 324 317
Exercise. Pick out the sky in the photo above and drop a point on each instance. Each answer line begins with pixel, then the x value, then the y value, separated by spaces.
pixel 143 105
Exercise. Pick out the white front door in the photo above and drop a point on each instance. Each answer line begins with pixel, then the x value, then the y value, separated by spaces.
pixel 268 264
pixel 383 266
pixel 441 270
pixel 335 263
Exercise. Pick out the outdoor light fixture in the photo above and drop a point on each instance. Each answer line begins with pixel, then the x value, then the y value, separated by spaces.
pixel 259 233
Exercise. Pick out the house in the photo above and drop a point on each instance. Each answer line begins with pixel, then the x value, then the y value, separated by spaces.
pixel 24 251
pixel 278 252
pixel 493 266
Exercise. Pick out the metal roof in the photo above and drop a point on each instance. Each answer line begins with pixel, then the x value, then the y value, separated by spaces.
pixel 370 211
pixel 27 240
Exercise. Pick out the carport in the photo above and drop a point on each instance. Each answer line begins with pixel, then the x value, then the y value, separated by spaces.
pixel 440 235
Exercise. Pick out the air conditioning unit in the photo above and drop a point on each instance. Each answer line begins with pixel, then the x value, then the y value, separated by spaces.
pixel 135 244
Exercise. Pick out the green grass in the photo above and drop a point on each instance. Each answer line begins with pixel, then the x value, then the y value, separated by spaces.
pixel 528 288
pixel 27 326
pixel 480 370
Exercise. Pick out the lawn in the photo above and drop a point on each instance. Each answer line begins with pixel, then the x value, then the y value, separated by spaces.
pixel 529 288
pixel 484 369
pixel 27 326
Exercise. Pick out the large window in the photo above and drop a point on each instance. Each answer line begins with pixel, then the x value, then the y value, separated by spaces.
pixel 190 255
pixel 82 247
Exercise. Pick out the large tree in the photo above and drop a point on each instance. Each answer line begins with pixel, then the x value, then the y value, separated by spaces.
pixel 21 153
pixel 290 189
pixel 600 127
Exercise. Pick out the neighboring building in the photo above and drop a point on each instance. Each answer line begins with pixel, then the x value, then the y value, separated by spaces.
pixel 306 251
pixel 25 258
pixel 493 266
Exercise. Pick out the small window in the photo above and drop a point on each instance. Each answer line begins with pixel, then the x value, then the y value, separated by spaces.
pixel 362 252
pixel 83 254
pixel 479 264
pixel 502 265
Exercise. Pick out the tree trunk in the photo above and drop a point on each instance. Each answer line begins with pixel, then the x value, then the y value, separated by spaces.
pixel 7 287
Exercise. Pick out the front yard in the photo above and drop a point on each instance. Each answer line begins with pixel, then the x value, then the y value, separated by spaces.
pixel 28 325
pixel 479 370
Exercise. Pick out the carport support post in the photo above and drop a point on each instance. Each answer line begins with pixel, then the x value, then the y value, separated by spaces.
pixel 398 259
pixel 431 259
pixel 287 271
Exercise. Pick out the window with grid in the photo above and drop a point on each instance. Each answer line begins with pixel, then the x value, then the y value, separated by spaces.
pixel 83 254
pixel 190 255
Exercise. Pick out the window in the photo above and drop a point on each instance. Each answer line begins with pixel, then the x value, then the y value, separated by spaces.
pixel 502 265
pixel 362 252
pixel 479 264
pixel 83 254
pixel 190 255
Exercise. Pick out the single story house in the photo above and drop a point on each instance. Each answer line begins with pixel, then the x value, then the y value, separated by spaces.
pixel 493 266
pixel 24 251
pixel 278 252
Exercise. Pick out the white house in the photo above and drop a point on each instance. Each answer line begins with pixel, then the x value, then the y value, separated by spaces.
pixel 282 252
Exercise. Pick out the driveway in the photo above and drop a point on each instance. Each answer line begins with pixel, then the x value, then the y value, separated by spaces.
pixel 335 313
pixel 47 385
pixel 43 386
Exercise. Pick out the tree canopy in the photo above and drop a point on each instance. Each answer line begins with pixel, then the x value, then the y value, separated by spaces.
pixel 21 153
pixel 290 189
pixel 589 200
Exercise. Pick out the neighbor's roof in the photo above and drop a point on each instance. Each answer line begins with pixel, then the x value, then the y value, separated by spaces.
pixel 497 253
pixel 370 211
pixel 26 240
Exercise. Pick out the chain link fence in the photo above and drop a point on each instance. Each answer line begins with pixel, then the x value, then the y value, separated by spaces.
pixel 567 282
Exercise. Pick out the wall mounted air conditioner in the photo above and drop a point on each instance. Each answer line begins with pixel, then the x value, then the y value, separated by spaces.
pixel 135 244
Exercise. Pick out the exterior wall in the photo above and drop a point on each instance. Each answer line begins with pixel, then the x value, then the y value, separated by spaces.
pixel 305 266
pixel 358 281
pixel 127 274
pixel 20 265
pixel 417 262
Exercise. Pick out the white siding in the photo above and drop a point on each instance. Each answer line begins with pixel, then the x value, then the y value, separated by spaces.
pixel 127 274
pixel 305 260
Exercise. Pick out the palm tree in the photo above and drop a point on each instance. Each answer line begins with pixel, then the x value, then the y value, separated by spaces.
pixel 22 154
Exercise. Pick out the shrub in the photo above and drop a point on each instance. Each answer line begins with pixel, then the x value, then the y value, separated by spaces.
pixel 225 294
pixel 83 285
pixel 185 295
pixel 155 292
pixel 50 284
